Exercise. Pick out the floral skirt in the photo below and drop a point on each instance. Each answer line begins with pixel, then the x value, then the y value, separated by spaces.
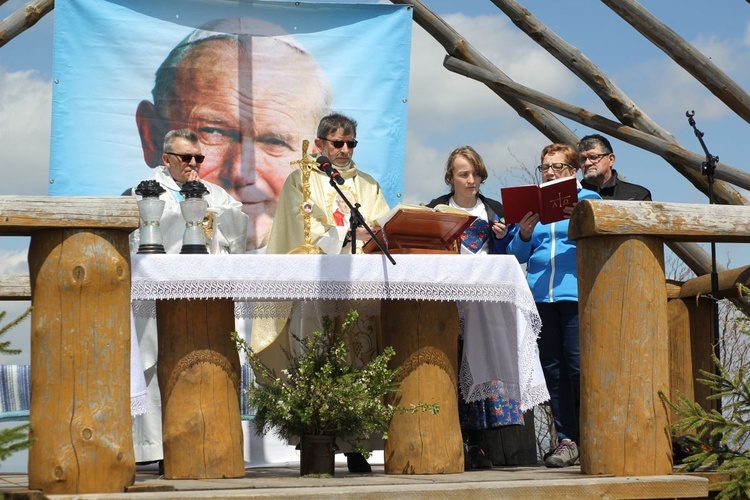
pixel 489 413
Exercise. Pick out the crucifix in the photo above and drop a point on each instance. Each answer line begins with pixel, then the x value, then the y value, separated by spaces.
pixel 306 165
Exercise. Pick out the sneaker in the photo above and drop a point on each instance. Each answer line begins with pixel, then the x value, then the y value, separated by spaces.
pixel 475 459
pixel 566 454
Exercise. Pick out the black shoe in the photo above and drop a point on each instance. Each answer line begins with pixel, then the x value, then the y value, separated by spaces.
pixel 159 462
pixel 475 459
pixel 356 462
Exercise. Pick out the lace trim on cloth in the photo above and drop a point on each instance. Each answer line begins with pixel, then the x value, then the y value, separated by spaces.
pixel 531 389
pixel 144 308
pixel 139 405
pixel 330 290
pixel 250 310
pixel 329 277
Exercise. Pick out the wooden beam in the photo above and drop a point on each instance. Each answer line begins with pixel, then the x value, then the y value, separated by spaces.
pixel 670 221
pixel 728 283
pixel 612 96
pixel 669 150
pixel 23 19
pixel 459 47
pixel 24 215
pixel 683 53
pixel 15 287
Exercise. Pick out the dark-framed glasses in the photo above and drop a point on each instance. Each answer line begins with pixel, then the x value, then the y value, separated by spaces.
pixel 596 158
pixel 556 167
pixel 340 144
pixel 187 157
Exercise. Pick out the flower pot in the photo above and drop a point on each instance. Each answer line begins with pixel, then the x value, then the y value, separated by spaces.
pixel 317 455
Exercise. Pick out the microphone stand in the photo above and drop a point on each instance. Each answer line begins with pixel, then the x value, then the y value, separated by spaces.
pixel 356 220
pixel 707 168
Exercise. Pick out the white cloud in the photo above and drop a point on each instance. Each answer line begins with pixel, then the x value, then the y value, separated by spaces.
pixel 440 98
pixel 447 110
pixel 665 90
pixel 25 117
pixel 13 262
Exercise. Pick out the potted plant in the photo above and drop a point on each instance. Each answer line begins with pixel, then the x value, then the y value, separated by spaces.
pixel 321 396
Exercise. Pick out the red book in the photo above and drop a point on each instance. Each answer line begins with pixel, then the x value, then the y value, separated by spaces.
pixel 547 199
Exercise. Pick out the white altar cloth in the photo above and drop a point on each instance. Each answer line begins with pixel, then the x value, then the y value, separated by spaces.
pixel 496 281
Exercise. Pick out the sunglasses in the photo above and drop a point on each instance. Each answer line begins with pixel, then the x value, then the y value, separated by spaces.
pixel 340 144
pixel 186 157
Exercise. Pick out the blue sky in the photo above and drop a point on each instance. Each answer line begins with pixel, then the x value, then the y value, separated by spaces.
pixel 447 110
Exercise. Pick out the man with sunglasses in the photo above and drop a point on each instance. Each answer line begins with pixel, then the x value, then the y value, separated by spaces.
pixel 181 162
pixel 336 140
pixel 329 230
pixel 599 175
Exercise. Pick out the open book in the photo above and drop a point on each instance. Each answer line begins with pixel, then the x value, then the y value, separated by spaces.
pixel 420 229
pixel 421 208
pixel 547 199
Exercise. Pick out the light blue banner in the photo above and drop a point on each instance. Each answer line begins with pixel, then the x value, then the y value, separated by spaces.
pixel 352 59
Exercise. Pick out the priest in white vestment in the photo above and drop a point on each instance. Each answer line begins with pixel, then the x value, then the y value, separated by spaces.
pixel 329 230
pixel 181 159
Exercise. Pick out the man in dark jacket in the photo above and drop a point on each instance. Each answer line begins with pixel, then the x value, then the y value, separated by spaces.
pixel 597 162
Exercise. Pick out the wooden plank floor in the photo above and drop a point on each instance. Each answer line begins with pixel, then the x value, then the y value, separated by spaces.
pixel 500 482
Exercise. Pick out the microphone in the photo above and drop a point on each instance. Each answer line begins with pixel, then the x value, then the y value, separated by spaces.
pixel 325 165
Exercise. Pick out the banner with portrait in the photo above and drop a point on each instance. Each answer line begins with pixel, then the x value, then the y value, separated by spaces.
pixel 127 71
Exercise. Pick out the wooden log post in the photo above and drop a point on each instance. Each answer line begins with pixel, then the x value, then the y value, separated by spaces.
pixel 424 335
pixel 691 331
pixel 624 342
pixel 680 357
pixel 79 267
pixel 624 330
pixel 199 377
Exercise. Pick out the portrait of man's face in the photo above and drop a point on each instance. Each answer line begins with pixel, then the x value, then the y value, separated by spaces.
pixel 251 101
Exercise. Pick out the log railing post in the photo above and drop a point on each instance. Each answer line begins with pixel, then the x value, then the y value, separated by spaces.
pixel 624 324
pixel 424 335
pixel 624 343
pixel 79 269
pixel 199 378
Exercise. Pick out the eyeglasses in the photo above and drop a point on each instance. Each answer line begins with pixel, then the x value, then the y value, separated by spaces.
pixel 556 167
pixel 340 144
pixel 187 157
pixel 594 158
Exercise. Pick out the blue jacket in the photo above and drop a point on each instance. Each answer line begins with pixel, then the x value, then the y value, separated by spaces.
pixel 550 258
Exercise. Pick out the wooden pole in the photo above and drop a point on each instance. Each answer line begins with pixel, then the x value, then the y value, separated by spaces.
pixel 199 377
pixel 424 335
pixel 80 358
pixel 624 356
pixel 691 337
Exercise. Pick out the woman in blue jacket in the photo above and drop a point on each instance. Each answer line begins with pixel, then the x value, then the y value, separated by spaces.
pixel 550 259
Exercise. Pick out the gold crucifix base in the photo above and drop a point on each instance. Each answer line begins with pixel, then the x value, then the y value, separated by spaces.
pixel 307 250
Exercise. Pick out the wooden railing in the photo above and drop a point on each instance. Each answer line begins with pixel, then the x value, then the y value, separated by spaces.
pixel 79 284
pixel 624 325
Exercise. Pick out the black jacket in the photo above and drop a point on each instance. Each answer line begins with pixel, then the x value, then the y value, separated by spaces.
pixel 493 208
pixel 617 189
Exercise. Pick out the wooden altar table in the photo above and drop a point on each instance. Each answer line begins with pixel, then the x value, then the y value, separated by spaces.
pixel 199 366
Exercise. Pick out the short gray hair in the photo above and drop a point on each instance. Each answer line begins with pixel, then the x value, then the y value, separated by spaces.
pixel 183 133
